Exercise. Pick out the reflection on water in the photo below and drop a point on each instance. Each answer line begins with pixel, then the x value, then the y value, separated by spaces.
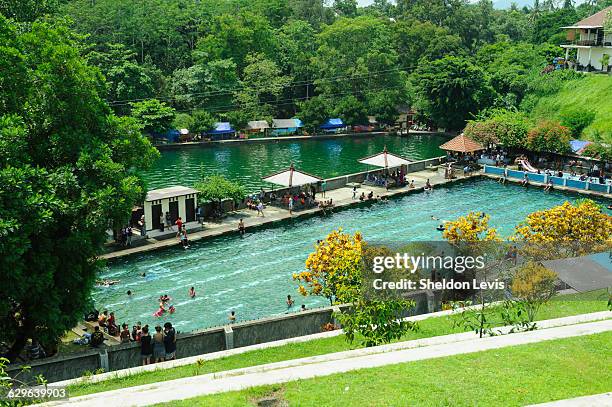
pixel 249 162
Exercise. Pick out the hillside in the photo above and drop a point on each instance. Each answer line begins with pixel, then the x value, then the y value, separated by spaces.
pixel 594 92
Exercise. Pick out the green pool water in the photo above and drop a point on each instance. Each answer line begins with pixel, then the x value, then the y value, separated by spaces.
pixel 249 162
pixel 252 275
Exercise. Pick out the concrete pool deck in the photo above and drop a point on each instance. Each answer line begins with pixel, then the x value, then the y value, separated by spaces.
pixel 342 198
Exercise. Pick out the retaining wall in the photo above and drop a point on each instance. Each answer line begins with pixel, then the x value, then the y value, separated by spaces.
pixel 215 339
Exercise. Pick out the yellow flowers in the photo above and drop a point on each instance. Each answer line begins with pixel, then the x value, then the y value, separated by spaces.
pixel 333 270
pixel 471 228
pixel 575 229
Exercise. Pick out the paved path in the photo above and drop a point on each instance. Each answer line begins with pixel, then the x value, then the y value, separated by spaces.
pixel 599 400
pixel 283 372
pixel 342 198
pixel 551 323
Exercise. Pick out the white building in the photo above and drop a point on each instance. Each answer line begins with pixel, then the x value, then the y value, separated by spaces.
pixel 177 200
pixel 590 41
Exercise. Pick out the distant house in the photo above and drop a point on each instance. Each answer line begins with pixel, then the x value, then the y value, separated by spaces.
pixel 257 126
pixel 285 126
pixel 590 41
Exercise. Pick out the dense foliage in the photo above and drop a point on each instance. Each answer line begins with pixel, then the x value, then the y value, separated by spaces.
pixel 246 60
pixel 67 175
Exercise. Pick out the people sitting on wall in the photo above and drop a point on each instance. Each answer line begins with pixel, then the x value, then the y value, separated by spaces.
pixel 97 338
pixel 549 186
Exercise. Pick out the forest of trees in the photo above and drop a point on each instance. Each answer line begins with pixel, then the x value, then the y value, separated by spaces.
pixel 243 60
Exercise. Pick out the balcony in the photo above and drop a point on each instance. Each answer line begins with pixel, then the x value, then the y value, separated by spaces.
pixel 590 43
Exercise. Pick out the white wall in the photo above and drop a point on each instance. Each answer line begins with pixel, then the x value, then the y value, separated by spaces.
pixel 596 55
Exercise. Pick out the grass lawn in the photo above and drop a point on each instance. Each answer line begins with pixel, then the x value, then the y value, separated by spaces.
pixel 513 376
pixel 593 91
pixel 560 306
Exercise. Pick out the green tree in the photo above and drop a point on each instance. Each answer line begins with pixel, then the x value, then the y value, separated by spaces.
pixel 154 116
pixel 356 56
pixel 235 36
pixel 126 79
pixel 577 119
pixel 27 10
pixel 261 87
pixel 351 110
pixel 383 106
pixel 314 112
pixel 450 90
pixel 202 121
pixel 549 136
pixel 505 127
pixel 216 188
pixel 67 174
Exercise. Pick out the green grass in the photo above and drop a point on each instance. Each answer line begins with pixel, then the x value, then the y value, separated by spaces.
pixel 558 307
pixel 593 92
pixel 513 376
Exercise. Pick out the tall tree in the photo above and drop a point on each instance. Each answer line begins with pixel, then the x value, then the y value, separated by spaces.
pixel 451 90
pixel 66 176
pixel 154 116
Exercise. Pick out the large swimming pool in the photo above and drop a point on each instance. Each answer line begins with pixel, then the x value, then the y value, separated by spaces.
pixel 249 162
pixel 252 275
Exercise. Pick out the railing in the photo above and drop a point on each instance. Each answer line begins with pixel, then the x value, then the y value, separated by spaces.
pixel 543 179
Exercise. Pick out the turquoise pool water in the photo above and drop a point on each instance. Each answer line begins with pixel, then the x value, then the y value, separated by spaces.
pixel 252 275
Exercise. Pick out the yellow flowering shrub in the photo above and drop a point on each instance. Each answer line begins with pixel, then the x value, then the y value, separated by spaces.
pixel 566 230
pixel 474 227
pixel 333 270
pixel 533 284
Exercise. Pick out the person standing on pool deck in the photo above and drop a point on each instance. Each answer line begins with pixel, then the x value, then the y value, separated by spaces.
pixel 179 224
pixel 241 227
pixel 290 204
pixel 168 220
pixel 260 209
pixel 323 188
pixel 146 348
pixel 354 192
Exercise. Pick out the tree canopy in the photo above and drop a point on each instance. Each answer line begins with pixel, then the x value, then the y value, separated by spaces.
pixel 67 174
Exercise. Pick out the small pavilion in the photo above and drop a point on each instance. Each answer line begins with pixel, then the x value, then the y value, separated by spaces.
pixel 462 144
pixel 291 178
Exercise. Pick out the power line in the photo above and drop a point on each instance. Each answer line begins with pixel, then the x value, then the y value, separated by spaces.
pixel 232 90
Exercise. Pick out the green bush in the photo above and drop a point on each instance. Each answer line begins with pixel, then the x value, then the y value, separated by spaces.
pixel 577 119
pixel 549 136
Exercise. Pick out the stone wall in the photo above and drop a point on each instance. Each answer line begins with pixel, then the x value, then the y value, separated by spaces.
pixel 209 340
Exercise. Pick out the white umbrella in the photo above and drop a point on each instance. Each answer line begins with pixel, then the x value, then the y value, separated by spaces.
pixel 291 178
pixel 384 159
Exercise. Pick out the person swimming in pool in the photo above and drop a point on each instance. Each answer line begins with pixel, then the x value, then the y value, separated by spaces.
pixel 192 292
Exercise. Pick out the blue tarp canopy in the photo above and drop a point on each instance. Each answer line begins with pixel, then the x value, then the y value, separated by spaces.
pixel 578 145
pixel 331 124
pixel 222 128
pixel 172 135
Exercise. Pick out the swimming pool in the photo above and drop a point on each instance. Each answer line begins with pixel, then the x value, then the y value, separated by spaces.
pixel 252 275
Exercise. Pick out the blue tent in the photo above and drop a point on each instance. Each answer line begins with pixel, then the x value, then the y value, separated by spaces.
pixel 578 145
pixel 221 131
pixel 332 124
pixel 172 135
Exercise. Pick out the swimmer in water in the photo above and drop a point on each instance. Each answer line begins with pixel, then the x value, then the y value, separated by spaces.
pixel 192 292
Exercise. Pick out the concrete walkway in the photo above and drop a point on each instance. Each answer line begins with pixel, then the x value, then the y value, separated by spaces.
pixel 342 198
pixel 551 323
pixel 324 365
pixel 599 400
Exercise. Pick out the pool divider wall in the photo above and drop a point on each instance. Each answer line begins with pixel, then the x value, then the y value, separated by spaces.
pixel 123 356
pixel 333 183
